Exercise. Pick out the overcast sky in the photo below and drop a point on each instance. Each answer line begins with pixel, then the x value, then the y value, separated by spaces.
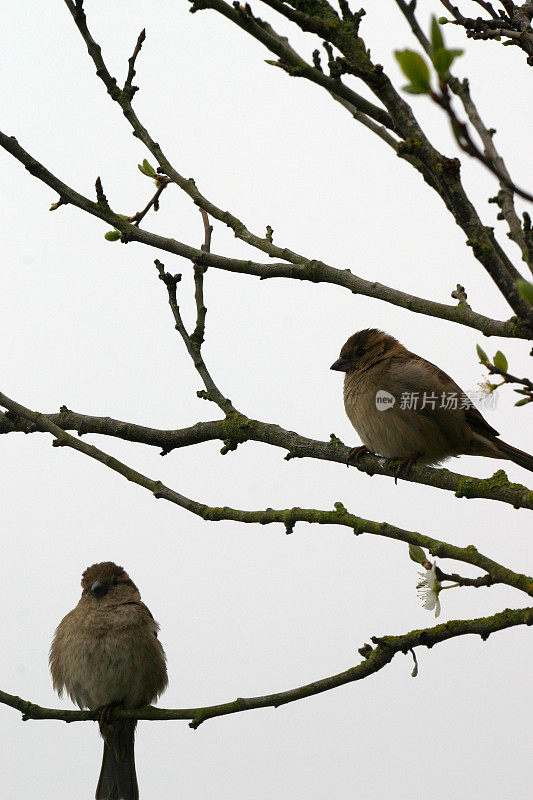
pixel 247 610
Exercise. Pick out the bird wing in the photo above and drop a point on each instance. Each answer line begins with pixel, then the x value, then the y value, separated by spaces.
pixel 145 610
pixel 478 423
pixel 140 604
pixel 418 375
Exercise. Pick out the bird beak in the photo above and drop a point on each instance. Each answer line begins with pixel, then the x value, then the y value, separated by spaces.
pixel 341 365
pixel 98 589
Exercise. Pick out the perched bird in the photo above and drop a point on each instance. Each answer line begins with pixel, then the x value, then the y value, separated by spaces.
pixel 404 407
pixel 106 653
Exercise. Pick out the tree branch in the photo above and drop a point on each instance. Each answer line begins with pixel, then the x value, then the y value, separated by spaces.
pixel 467 144
pixel 442 173
pixel 198 335
pixel 515 24
pixel 128 87
pixel 375 658
pixel 237 428
pixel 212 392
pixel 163 182
pixel 480 239
pixel 475 583
pixel 193 343
pixel 188 185
pixel 308 270
pixel 505 198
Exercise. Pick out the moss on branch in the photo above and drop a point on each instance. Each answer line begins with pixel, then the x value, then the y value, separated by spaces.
pixel 375 658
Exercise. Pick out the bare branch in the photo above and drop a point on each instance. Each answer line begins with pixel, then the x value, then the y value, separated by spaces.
pixel 374 659
pixel 237 428
pixel 194 342
pixel 193 347
pixel 128 87
pixel 304 269
pixel 475 583
pixel 467 144
pixel 163 182
pixel 197 336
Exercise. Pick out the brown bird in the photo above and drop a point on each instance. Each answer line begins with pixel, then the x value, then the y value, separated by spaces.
pixel 405 407
pixel 106 653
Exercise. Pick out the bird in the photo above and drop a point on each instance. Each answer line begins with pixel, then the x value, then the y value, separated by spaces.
pixel 105 653
pixel 407 408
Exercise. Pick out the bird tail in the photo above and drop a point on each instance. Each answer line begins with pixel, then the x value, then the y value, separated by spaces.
pixel 118 780
pixel 514 454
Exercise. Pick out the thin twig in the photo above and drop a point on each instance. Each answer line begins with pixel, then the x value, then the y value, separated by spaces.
pixel 488 7
pixel 212 392
pixel 153 202
pixel 131 68
pixel 197 336
pixel 508 378
pixel 526 383
pixel 467 144
pixel 475 583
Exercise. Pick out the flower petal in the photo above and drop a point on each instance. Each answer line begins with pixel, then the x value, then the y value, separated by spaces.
pixel 431 601
pixel 437 606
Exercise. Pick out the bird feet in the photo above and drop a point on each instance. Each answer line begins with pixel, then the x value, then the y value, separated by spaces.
pixel 357 452
pixel 105 713
pixel 405 464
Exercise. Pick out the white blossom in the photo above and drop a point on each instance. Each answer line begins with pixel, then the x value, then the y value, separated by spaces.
pixel 429 588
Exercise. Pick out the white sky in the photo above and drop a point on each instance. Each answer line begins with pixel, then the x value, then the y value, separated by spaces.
pixel 246 610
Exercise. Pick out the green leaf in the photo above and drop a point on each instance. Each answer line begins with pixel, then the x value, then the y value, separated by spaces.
pixel 149 169
pixel 415 70
pixel 522 391
pixel 525 289
pixel 436 35
pixel 417 554
pixel 483 357
pixel 443 21
pixel 523 401
pixel 413 89
pixel 500 362
pixel 443 59
pixel 112 236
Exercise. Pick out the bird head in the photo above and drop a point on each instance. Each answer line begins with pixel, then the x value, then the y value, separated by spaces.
pixel 365 348
pixel 108 580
